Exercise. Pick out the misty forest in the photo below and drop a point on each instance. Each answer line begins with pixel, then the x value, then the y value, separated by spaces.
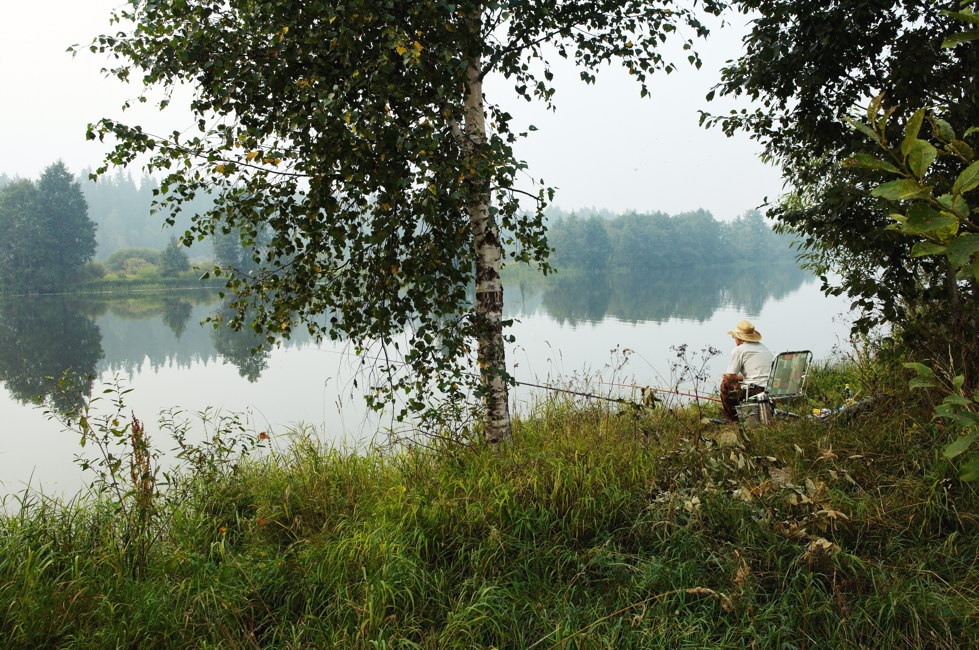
pixel 308 344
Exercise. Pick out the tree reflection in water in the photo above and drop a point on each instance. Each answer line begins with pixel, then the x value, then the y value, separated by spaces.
pixel 48 351
pixel 246 349
pixel 688 294
pixel 42 338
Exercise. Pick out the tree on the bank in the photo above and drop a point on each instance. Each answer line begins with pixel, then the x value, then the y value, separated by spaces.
pixel 357 134
pixel 47 235
pixel 580 243
pixel 19 221
pixel 174 259
pixel 809 65
pixel 65 216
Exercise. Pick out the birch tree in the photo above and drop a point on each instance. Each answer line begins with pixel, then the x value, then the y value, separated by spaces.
pixel 358 134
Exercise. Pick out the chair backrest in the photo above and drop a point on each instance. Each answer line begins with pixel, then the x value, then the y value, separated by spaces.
pixel 788 375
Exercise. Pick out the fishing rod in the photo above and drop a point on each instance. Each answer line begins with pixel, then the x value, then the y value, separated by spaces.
pixel 617 400
pixel 565 390
pixel 662 390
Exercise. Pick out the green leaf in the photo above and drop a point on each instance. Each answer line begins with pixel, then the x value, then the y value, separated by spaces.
pixel 967 180
pixel 962 149
pixel 962 37
pixel 921 155
pixel 961 248
pixel 898 190
pixel 965 419
pixel 911 131
pixel 866 161
pixel 958 400
pixel 863 128
pixel 975 270
pixel 970 131
pixel 919 368
pixel 874 107
pixel 958 381
pixel 944 130
pixel 922 219
pixel 920 383
pixel 950 229
pixel 964 16
pixel 969 471
pixel 948 411
pixel 961 445
pixel 923 248
pixel 955 204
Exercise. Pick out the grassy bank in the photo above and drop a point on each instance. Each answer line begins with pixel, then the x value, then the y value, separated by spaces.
pixel 591 530
pixel 188 281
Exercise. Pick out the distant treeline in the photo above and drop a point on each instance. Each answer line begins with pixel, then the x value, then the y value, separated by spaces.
pixel 120 208
pixel 50 237
pixel 600 240
pixel 585 239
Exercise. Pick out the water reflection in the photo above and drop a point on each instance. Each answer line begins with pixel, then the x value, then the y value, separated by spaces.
pixel 49 349
pixel 687 294
pixel 176 314
pixel 48 338
pixel 43 338
pixel 245 348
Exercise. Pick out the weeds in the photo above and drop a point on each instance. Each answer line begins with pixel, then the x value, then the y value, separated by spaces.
pixel 590 530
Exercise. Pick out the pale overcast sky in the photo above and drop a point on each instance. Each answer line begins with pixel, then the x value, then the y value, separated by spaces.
pixel 604 147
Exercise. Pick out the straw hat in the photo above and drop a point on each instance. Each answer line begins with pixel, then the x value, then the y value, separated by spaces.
pixel 745 331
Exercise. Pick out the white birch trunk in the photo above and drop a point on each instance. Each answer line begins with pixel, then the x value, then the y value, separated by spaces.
pixel 489 287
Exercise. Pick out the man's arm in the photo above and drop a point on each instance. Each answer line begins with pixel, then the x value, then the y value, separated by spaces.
pixel 734 367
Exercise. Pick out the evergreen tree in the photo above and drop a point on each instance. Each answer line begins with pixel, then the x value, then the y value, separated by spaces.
pixel 19 223
pixel 173 260
pixel 69 234
pixel 47 235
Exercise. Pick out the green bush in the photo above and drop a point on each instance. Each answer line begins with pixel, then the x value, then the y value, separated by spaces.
pixel 128 260
pixel 91 271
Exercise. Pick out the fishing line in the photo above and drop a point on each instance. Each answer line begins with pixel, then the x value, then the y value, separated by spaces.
pixel 617 400
pixel 662 390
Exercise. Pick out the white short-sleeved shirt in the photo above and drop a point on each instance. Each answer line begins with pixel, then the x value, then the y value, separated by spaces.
pixel 753 360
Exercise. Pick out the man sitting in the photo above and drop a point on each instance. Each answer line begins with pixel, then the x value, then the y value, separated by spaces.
pixel 750 362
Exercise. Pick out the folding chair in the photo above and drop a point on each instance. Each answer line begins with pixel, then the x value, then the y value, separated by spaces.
pixel 786 381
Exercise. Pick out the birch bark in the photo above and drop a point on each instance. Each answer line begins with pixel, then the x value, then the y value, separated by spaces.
pixel 491 354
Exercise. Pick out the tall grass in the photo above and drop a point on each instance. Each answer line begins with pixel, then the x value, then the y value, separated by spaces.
pixel 591 530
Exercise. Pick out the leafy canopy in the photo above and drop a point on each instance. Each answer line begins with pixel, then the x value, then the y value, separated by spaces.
pixel 807 65
pixel 333 127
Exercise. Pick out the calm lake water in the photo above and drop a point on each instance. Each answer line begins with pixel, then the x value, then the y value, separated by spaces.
pixel 566 327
